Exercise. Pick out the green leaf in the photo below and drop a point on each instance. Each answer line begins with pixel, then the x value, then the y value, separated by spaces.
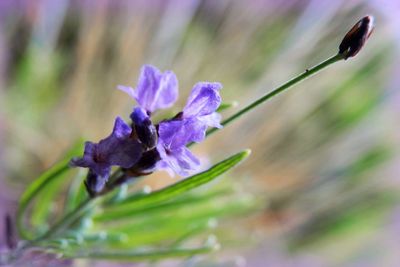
pixel 173 190
pixel 39 184
pixel 76 193
pixel 44 204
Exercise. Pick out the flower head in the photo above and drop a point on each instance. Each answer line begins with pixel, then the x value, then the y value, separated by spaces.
pixel 145 147
pixel 189 126
pixel 155 90
pixel 118 149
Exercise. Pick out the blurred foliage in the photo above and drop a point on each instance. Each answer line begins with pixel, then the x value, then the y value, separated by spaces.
pixel 323 154
pixel 136 226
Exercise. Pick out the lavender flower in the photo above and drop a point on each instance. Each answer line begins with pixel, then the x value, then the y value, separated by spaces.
pixel 155 90
pixel 118 149
pixel 189 126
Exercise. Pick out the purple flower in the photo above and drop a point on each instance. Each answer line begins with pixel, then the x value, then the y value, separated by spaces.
pixel 155 90
pixel 118 149
pixel 189 126
pixel 202 104
pixel 179 160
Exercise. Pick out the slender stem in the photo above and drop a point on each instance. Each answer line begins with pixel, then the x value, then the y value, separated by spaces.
pixel 62 224
pixel 280 89
pixel 145 255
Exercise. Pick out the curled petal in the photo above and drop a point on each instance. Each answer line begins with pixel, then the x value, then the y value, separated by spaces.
pixel 127 89
pixel 203 100
pixel 121 129
pixel 155 90
pixel 88 156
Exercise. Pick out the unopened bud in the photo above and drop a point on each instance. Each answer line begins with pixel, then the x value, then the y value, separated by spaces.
pixel 145 165
pixel 144 128
pixel 94 183
pixel 355 39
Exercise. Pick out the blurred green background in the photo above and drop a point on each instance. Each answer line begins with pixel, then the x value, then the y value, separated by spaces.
pixel 325 155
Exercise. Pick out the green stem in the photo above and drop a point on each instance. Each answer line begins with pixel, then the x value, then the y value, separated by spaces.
pixel 149 255
pixel 62 224
pixel 280 89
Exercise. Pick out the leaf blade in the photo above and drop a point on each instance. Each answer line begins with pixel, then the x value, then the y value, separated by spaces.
pixel 177 188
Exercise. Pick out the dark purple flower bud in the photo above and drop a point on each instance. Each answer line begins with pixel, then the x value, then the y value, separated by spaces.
pixel 155 90
pixel 118 149
pixel 94 183
pixel 146 165
pixel 355 39
pixel 144 128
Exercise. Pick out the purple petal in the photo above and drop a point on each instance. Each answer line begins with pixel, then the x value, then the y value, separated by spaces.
pixel 180 160
pixel 125 154
pixel 127 89
pixel 95 183
pixel 88 155
pixel 203 100
pixel 118 149
pixel 212 120
pixel 155 90
pixel 121 129
pixel 92 160
pixel 172 134
pixel 162 165
pixel 178 133
pixel 101 169
pixel 168 92
pixel 139 115
pixel 80 162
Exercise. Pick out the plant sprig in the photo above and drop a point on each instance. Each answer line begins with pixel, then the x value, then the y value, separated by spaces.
pixel 76 225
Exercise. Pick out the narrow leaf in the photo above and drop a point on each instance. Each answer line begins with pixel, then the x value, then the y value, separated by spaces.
pixel 38 185
pixel 76 193
pixel 177 188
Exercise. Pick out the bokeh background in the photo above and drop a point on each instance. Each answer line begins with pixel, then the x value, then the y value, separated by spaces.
pixel 325 155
